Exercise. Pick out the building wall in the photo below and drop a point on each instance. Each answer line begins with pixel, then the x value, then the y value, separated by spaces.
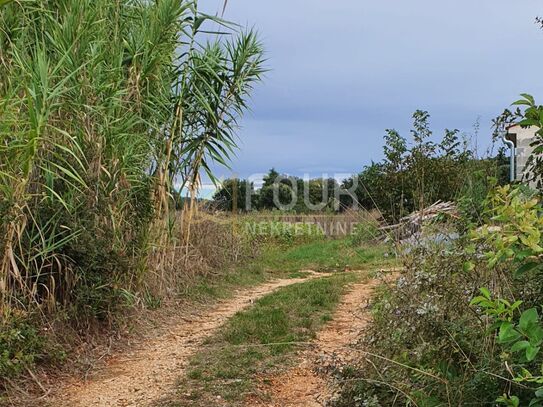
pixel 524 138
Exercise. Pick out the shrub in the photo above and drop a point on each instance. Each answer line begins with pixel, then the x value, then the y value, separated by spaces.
pixel 418 173
pixel 365 232
pixel 21 345
pixel 452 330
pixel 431 346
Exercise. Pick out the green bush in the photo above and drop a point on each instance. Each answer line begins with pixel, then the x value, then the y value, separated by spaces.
pixel 21 345
pixel 365 232
pixel 461 325
pixel 418 172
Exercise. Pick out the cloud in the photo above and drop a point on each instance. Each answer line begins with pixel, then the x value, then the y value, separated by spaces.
pixel 343 71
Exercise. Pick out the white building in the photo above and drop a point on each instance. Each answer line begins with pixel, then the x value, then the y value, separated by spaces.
pixel 522 138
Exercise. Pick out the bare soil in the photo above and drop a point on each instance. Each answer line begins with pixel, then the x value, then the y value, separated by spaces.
pixel 307 383
pixel 149 371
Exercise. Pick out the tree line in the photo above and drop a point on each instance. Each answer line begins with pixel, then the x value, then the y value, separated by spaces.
pixel 414 173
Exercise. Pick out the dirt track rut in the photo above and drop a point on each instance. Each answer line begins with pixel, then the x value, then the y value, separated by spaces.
pixel 150 371
pixel 304 385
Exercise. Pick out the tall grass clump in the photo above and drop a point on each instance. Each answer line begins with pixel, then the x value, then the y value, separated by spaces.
pixel 106 109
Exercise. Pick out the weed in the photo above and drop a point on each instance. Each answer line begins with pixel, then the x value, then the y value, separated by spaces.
pixel 326 255
pixel 261 339
pixel 92 141
pixel 21 345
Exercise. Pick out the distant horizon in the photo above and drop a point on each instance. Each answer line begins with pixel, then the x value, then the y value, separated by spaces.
pixel 208 189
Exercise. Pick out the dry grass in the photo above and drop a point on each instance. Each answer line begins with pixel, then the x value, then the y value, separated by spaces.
pixel 336 225
pixel 105 106
pixel 213 244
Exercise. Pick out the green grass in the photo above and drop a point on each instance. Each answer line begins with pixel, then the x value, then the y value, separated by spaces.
pixel 259 340
pixel 223 284
pixel 287 261
pixel 325 255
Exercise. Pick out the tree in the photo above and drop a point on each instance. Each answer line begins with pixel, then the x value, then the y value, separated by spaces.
pixel 416 174
pixel 280 186
pixel 235 195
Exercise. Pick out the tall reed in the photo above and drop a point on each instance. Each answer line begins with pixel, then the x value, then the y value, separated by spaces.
pixel 105 107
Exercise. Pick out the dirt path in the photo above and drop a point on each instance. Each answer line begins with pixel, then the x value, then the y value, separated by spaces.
pixel 150 372
pixel 303 385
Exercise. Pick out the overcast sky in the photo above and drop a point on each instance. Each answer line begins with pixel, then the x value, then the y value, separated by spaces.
pixel 343 71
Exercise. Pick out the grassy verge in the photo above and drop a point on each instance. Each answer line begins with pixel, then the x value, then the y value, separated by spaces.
pixel 326 255
pixel 260 339
pixel 289 261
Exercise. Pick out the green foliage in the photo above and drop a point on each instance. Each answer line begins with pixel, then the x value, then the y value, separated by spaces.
pixel 213 85
pixel 417 174
pixel 366 232
pixel 104 107
pixel 410 177
pixel 513 228
pixel 500 309
pixel 516 241
pixel 526 335
pixel 21 345
pixel 287 193
pixel 512 401
pixel 443 340
pixel 84 98
pixel 426 346
pixel 235 195
pixel 259 339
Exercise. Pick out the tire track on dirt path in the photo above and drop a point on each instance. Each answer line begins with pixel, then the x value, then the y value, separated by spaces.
pixel 302 385
pixel 150 372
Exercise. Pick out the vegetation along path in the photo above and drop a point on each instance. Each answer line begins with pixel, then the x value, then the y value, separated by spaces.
pixel 150 372
pixel 306 384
